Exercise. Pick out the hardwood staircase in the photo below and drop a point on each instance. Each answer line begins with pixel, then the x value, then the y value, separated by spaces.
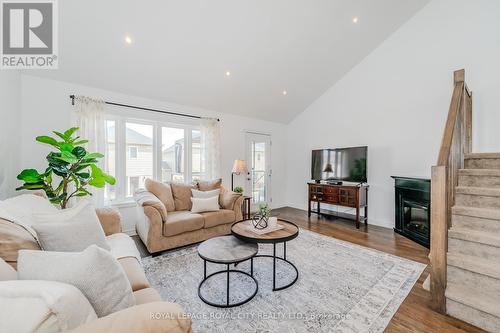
pixel 465 221
pixel 473 260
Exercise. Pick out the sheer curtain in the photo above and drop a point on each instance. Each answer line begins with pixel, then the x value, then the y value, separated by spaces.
pixel 210 148
pixel 91 124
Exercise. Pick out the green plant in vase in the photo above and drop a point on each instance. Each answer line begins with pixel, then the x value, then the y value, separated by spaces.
pixel 70 171
pixel 238 189
pixel 261 218
pixel 264 209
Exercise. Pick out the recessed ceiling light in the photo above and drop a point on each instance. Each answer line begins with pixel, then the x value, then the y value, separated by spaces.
pixel 228 73
pixel 128 40
pixel 285 92
pixel 355 19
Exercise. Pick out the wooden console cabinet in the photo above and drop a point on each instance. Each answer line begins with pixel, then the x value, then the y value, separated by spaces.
pixel 353 196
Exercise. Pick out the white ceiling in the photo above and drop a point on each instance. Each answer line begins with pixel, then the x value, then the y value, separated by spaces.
pixel 182 48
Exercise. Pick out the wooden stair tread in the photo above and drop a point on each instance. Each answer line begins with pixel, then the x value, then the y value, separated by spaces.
pixel 474 236
pixel 479 172
pixel 484 191
pixel 482 302
pixel 485 213
pixel 481 156
pixel 474 264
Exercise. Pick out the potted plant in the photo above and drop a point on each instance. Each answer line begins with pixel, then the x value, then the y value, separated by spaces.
pixel 71 169
pixel 264 209
pixel 261 218
pixel 238 189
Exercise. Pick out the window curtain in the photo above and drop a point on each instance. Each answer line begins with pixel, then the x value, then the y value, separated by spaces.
pixel 91 123
pixel 210 148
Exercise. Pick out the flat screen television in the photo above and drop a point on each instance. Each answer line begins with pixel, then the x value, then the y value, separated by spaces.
pixel 338 165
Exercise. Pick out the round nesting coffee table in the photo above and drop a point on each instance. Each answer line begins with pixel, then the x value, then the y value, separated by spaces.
pixel 227 250
pixel 243 230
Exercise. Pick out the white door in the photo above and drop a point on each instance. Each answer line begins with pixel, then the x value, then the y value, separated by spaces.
pixel 258 156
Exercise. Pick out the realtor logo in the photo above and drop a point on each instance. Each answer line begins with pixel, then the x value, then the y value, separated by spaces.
pixel 29 34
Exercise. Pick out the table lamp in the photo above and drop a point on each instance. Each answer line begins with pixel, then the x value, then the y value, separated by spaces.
pixel 239 167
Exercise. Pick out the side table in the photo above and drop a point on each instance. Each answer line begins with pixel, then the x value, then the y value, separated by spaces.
pixel 246 207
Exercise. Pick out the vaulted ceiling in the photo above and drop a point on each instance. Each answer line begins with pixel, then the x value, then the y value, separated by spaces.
pixel 181 50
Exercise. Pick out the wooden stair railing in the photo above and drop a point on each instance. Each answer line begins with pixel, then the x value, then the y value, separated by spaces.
pixel 457 141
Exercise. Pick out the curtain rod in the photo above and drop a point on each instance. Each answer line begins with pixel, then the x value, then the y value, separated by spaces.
pixel 72 97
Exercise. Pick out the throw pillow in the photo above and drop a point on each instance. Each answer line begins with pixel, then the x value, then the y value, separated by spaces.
pixel 182 195
pixel 205 194
pixel 13 238
pixel 161 191
pixel 95 272
pixel 42 306
pixel 201 205
pixel 228 198
pixel 20 209
pixel 208 185
pixel 70 230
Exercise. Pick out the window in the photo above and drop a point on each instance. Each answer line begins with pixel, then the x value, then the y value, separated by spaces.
pixel 139 163
pixel 140 149
pixel 172 152
pixel 132 152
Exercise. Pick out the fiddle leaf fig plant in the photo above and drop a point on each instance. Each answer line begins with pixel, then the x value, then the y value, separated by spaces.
pixel 70 171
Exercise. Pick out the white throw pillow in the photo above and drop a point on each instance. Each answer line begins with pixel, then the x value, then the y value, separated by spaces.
pixel 94 272
pixel 70 230
pixel 42 306
pixel 205 194
pixel 201 205
pixel 20 209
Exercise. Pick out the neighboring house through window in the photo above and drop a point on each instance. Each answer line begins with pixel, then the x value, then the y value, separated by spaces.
pixel 132 152
pixel 141 149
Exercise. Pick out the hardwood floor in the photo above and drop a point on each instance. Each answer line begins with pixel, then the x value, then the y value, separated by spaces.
pixel 415 313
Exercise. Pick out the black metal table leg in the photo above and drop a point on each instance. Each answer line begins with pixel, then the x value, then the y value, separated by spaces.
pixel 284 260
pixel 227 296
pixel 226 271
pixel 274 266
pixel 204 269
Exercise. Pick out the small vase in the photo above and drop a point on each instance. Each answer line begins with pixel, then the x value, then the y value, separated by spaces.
pixel 273 221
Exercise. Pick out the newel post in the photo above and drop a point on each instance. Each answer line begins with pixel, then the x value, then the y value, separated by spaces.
pixel 439 237
pixel 459 76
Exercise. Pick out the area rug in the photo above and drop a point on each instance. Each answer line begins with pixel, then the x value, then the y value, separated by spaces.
pixel 342 287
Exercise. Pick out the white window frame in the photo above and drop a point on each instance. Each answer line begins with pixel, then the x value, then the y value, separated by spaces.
pixel 121 151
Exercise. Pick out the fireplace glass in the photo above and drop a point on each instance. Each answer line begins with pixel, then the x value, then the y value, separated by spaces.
pixel 415 218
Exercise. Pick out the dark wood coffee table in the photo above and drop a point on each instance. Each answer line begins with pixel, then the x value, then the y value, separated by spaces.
pixel 289 232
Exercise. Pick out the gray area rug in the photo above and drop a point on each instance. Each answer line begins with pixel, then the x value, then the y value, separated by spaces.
pixel 342 287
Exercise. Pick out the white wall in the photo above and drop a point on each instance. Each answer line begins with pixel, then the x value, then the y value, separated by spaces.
pixel 396 100
pixel 10 108
pixel 46 107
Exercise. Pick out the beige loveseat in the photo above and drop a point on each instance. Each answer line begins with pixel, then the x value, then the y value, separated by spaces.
pixel 167 221
pixel 13 238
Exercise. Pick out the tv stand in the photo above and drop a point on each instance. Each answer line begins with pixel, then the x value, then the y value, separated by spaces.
pixel 353 196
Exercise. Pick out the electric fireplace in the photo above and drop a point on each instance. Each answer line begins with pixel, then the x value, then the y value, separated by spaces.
pixel 413 208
